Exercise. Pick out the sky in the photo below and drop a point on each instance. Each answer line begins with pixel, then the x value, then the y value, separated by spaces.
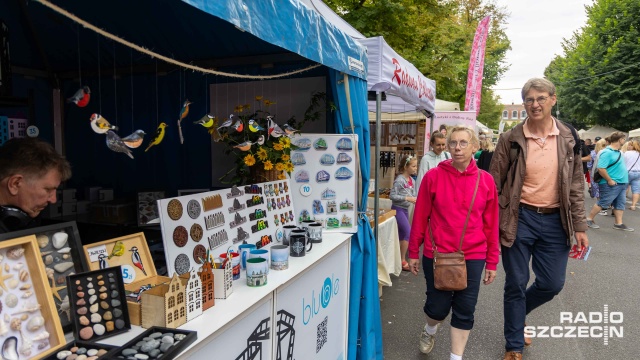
pixel 536 30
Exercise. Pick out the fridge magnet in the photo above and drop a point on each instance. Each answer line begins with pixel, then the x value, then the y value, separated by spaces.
pixel 290 215
pixel 288 201
pixel 242 236
pixel 344 158
pixel 327 159
pixel 283 219
pixel 193 209
pixel 269 190
pixel 253 189
pixel 273 204
pixel 346 206
pixel 264 241
pixel 303 144
pixel 217 239
pixel 238 219
pixel 333 223
pixel 276 220
pixel 235 192
pixel 304 215
pixel 279 235
pixel 343 174
pixel 317 207
pixel 174 209
pixel 346 221
pixel 199 254
pixel 298 159
pixel 276 191
pixel 182 264
pixel 196 232
pixel 328 194
pixel 180 236
pixel 215 220
pixel 320 144
pixel 286 187
pixel 281 187
pixel 344 144
pixel 257 215
pixel 255 200
pixel 212 202
pixel 236 206
pixel 259 226
pixel 268 205
pixel 302 176
pixel 322 176
pixel 332 209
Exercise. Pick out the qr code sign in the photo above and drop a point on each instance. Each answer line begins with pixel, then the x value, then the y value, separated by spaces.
pixel 322 334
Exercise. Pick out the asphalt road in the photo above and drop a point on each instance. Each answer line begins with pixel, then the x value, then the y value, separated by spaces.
pixel 609 277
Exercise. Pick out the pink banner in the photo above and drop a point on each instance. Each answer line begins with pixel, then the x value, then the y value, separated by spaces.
pixel 476 67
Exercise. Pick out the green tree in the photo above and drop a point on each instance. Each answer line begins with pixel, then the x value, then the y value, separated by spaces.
pixel 436 36
pixel 598 76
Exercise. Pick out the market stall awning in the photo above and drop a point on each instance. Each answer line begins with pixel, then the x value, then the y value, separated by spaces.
pixel 385 65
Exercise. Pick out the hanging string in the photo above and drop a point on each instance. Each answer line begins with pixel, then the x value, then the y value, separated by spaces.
pixel 115 84
pixel 206 95
pixel 153 54
pixel 99 76
pixel 131 54
pixel 79 58
pixel 157 104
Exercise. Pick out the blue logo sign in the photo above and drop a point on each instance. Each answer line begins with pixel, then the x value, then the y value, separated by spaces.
pixel 330 288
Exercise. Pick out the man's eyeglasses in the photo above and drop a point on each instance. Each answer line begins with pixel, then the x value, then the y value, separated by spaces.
pixel 541 100
pixel 463 144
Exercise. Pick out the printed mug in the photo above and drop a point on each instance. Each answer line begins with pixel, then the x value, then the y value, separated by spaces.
pixel 314 231
pixel 257 269
pixel 286 231
pixel 279 257
pixel 260 253
pixel 244 253
pixel 298 244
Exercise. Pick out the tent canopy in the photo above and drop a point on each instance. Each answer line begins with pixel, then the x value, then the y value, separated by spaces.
pixel 634 133
pixel 598 130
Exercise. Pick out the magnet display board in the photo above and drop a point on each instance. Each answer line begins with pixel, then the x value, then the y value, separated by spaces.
pixel 216 220
pixel 324 180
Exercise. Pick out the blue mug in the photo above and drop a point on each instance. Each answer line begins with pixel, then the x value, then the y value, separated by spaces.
pixel 244 250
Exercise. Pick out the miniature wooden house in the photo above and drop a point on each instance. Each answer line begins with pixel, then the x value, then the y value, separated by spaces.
pixel 193 294
pixel 164 305
pixel 206 279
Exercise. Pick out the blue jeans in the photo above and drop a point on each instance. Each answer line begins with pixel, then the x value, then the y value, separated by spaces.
pixel 541 239
pixel 612 195
pixel 634 181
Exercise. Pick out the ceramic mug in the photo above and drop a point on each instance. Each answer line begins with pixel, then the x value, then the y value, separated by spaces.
pixel 286 231
pixel 298 244
pixel 257 269
pixel 279 257
pixel 260 253
pixel 305 224
pixel 314 231
pixel 244 253
pixel 235 264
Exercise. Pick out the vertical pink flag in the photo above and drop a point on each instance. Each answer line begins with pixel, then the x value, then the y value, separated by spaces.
pixel 476 67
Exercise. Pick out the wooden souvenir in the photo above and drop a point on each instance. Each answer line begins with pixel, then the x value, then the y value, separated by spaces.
pixel 61 248
pixel 27 295
pixel 223 281
pixel 192 293
pixel 138 273
pixel 207 280
pixel 165 305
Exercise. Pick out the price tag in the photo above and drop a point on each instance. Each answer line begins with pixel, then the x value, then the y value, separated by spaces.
pixel 305 190
pixel 33 131
pixel 128 273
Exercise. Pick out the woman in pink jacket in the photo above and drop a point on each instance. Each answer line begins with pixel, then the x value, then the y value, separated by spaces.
pixel 443 203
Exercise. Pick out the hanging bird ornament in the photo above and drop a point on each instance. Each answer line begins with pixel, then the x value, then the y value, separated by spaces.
pixel 206 121
pixel 159 136
pixel 274 130
pixel 260 140
pixel 183 114
pixel 102 258
pixel 137 261
pixel 116 144
pixel 81 97
pixel 238 126
pixel 254 126
pixel 100 125
pixel 227 122
pixel 289 130
pixel 245 146
pixel 135 139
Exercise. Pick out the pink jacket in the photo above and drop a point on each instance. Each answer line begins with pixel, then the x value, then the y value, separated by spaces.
pixel 444 198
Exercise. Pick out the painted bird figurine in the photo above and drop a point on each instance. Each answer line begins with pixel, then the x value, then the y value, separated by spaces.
pixel 116 144
pixel 137 261
pixel 102 258
pixel 260 140
pixel 227 122
pixel 118 249
pixel 254 126
pixel 274 129
pixel 245 146
pixel 238 125
pixel 206 121
pixel 159 136
pixel 289 130
pixel 81 97
pixel 183 114
pixel 100 125
pixel 135 139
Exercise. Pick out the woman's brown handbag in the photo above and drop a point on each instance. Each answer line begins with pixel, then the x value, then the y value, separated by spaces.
pixel 450 270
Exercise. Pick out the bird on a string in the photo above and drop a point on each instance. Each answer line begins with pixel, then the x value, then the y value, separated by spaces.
pixel 238 125
pixel 245 146
pixel 81 97
pixel 260 140
pixel 274 130
pixel 116 144
pixel 289 130
pixel 135 139
pixel 183 114
pixel 254 126
pixel 100 125
pixel 227 122
pixel 159 136
pixel 206 121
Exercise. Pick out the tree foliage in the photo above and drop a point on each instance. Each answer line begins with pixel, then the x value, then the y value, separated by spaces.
pixel 598 76
pixel 436 36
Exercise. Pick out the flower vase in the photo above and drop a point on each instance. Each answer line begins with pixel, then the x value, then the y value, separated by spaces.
pixel 260 175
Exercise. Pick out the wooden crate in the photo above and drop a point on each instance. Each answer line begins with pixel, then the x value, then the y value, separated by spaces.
pixel 150 278
pixel 31 261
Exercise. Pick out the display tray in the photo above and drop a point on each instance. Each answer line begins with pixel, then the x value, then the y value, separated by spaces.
pixel 98 303
pixel 173 350
pixel 132 253
pixel 87 346
pixel 30 326
pixel 61 248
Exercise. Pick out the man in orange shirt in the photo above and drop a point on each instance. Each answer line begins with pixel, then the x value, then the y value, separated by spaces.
pixel 541 194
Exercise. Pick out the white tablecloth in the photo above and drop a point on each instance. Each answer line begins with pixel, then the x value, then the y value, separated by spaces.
pixel 389 260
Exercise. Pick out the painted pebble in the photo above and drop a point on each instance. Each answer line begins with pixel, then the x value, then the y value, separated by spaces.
pixel 86 333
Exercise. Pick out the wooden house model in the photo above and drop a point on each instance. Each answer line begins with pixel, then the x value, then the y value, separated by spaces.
pixel 193 294
pixel 164 305
pixel 206 279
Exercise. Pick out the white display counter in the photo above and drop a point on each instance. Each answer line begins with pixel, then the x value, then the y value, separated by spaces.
pixel 301 313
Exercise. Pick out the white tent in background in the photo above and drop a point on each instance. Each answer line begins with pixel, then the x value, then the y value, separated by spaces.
pixel 597 131
pixel 634 133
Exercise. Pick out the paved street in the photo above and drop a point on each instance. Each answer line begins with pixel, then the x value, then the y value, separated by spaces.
pixel 610 276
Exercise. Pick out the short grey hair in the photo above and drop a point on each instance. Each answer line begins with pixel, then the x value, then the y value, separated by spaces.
pixel 470 131
pixel 539 84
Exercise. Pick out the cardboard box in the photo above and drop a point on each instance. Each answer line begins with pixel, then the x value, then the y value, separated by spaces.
pixel 69 208
pixel 105 194
pixel 135 277
pixel 92 193
pixel 69 195
pixel 114 212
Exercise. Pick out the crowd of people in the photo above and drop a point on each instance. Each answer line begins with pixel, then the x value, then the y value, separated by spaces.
pixel 521 200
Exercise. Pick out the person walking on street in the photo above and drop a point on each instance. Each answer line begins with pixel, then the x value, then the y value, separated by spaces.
pixel 631 158
pixel 402 195
pixel 457 208
pixel 432 158
pixel 540 184
pixel 613 182
pixel 484 160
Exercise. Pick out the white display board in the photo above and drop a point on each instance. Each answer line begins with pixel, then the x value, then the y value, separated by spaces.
pixel 310 311
pixel 217 220
pixel 324 180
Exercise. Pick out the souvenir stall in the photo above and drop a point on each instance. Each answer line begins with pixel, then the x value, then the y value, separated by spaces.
pixel 155 85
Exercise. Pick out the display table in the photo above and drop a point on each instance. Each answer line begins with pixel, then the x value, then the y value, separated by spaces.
pixel 301 311
pixel 389 259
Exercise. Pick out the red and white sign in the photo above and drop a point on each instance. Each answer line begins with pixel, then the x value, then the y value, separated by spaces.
pixel 452 118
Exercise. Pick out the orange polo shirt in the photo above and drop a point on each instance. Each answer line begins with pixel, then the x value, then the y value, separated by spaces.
pixel 540 187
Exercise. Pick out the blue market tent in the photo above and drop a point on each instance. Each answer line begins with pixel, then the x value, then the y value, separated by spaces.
pixel 49 52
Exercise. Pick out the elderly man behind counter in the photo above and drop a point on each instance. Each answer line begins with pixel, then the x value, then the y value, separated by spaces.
pixel 30 172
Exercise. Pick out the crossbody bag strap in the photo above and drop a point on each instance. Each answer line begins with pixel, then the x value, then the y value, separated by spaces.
pixel 634 164
pixel 466 221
